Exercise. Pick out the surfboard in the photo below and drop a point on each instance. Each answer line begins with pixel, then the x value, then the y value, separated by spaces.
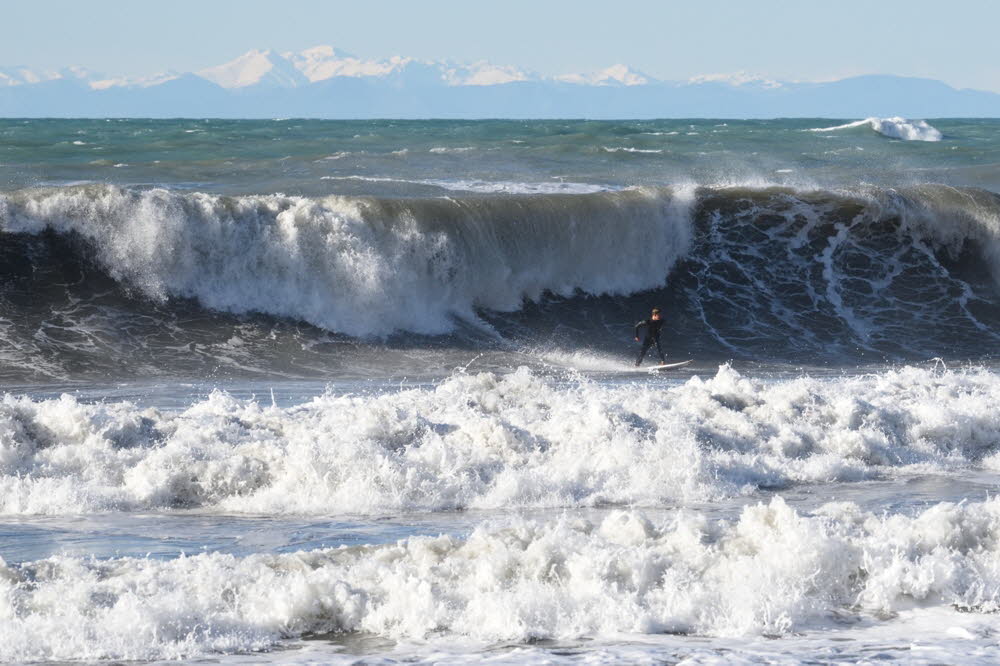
pixel 670 366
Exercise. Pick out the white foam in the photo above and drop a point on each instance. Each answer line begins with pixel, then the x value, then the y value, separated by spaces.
pixel 895 128
pixel 772 572
pixel 491 186
pixel 625 149
pixel 514 187
pixel 487 441
pixel 361 266
pixel 456 149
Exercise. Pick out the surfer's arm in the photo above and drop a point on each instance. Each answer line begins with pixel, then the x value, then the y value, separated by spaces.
pixel 638 326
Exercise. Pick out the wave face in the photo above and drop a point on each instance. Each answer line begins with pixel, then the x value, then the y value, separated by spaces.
pixel 98 272
pixel 772 572
pixel 897 272
pixel 894 128
pixel 490 441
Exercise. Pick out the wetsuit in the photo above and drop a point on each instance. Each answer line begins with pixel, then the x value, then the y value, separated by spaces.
pixel 653 327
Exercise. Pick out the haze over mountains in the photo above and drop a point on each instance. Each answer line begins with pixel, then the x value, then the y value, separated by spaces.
pixel 324 82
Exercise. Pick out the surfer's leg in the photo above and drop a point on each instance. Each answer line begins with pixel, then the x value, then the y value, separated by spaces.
pixel 663 359
pixel 642 352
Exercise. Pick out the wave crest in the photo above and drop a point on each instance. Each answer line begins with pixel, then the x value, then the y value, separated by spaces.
pixel 361 266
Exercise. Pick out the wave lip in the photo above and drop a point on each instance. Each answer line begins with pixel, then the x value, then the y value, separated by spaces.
pixel 487 441
pixel 894 128
pixel 772 572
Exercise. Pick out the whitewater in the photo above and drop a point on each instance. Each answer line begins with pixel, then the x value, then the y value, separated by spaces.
pixel 301 391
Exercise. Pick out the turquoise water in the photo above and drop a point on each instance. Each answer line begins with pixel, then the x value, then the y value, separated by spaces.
pixel 294 156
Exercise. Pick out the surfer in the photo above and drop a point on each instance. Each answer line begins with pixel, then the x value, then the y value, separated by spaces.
pixel 653 326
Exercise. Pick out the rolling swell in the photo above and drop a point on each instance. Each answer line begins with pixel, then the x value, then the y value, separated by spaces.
pixel 762 272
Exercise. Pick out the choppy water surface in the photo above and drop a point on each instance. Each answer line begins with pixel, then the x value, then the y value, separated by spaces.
pixel 300 390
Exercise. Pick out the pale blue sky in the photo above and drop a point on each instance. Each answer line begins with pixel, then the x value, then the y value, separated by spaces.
pixel 671 39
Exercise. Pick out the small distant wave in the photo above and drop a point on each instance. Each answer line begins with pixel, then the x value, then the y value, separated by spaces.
pixel 369 179
pixel 459 149
pixel 894 128
pixel 339 155
pixel 624 149
pixel 511 187
pixel 491 186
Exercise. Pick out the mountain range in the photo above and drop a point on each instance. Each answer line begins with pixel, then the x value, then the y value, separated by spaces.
pixel 325 82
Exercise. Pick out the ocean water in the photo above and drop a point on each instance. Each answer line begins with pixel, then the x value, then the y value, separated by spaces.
pixel 299 391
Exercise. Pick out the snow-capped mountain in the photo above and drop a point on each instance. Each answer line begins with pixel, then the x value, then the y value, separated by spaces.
pixel 322 63
pixel 620 75
pixel 18 76
pixel 325 62
pixel 483 73
pixel 256 68
pixel 738 79
pixel 326 82
pixel 132 81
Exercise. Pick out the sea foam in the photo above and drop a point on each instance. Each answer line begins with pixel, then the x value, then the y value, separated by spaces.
pixel 487 441
pixel 772 572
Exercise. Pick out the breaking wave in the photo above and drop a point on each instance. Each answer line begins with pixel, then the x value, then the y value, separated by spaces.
pixel 894 128
pixel 767 273
pixel 365 267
